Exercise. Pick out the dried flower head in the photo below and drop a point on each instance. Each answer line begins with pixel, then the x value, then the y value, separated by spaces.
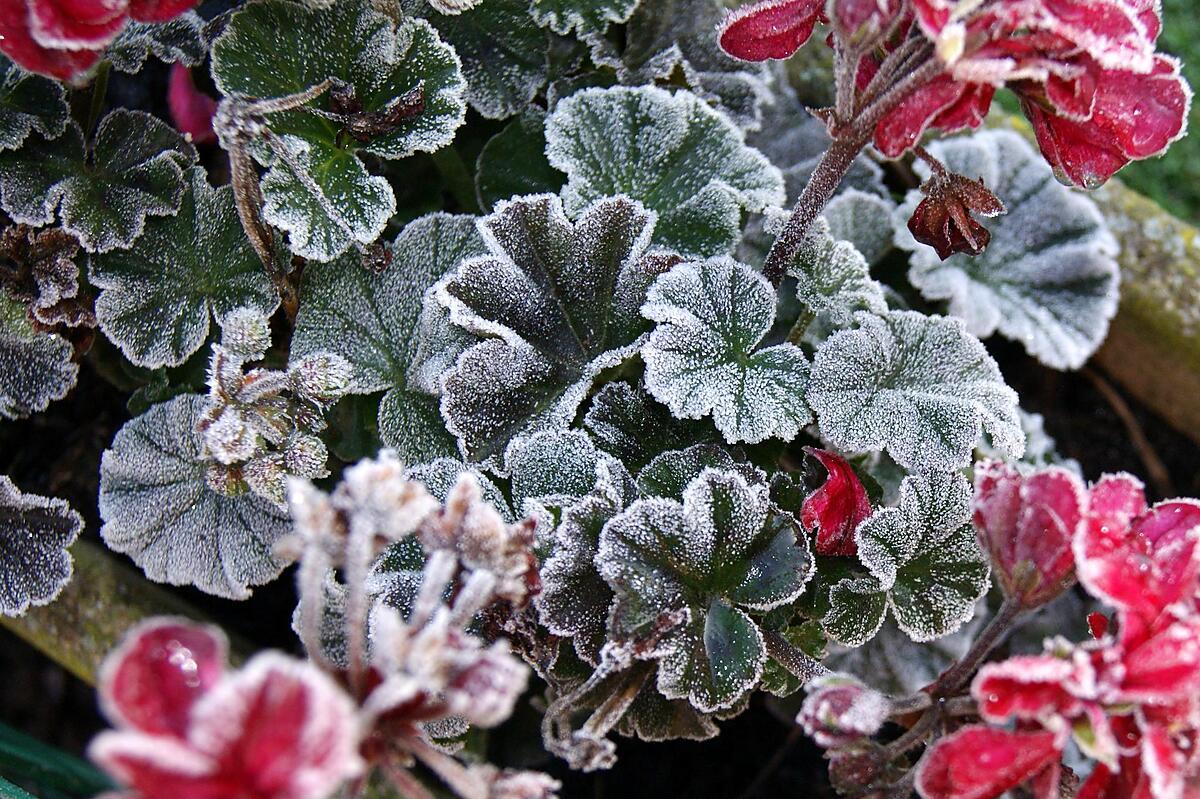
pixel 943 219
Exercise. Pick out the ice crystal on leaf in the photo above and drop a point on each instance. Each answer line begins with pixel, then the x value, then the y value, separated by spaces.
pixel 35 368
pixel 833 279
pixel 133 169
pixel 158 508
pixel 864 220
pixel 372 320
pixel 715 556
pixel 703 356
pixel 920 387
pixel 29 103
pixel 552 304
pixel 923 562
pixel 1047 279
pixel 675 154
pixel 180 41
pixel 587 17
pixel 316 188
pixel 627 422
pixel 35 533
pixel 156 299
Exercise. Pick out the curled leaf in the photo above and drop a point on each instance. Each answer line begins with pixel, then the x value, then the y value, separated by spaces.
pixel 35 533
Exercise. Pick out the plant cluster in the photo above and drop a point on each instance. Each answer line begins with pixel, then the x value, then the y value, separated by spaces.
pixel 627 367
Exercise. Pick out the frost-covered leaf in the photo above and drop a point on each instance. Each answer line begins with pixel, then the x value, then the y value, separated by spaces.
pixel 586 17
pixel 34 535
pixel 156 298
pixel 670 473
pixel 372 321
pixel 134 170
pixel 158 509
pixel 671 152
pixel 29 102
pixel 833 278
pixel 35 368
pixel 557 467
pixel 864 220
pixel 924 561
pixel 320 192
pixel 1048 279
pixel 921 387
pixel 513 162
pixel 552 304
pixel 703 356
pixel 180 40
pixel 441 475
pixel 628 423
pixel 716 555
pixel 505 56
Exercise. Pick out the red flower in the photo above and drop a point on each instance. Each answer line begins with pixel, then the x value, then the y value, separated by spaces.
pixel 191 110
pixel 839 710
pixel 835 509
pixel 943 218
pixel 277 729
pixel 980 762
pixel 770 28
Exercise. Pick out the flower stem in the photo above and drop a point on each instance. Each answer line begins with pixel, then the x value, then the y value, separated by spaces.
pixel 803 667
pixel 958 675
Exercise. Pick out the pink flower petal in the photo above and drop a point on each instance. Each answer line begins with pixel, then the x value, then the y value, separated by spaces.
pixel 770 28
pixel 76 24
pixel 1165 666
pixel 943 103
pixel 17 42
pixel 982 762
pixel 161 669
pixel 858 18
pixel 835 509
pixel 191 110
pixel 158 767
pixel 1027 688
pixel 159 10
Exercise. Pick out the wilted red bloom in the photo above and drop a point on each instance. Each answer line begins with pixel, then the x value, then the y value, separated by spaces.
pixel 943 219
pixel 191 110
pixel 840 710
pixel 770 28
pixel 835 509
pixel 276 729
pixel 980 762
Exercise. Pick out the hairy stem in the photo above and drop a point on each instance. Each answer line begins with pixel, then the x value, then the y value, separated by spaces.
pixel 957 676
pixel 803 667
pixel 99 93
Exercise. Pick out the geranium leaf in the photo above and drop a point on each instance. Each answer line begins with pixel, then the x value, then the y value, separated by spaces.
pixel 864 220
pixel 35 368
pixel 669 473
pixel 180 40
pixel 157 298
pixel 29 102
pixel 669 151
pixel 1047 279
pixel 557 467
pixel 135 170
pixel 158 509
pixel 372 321
pixel 319 191
pixel 513 162
pixel 833 278
pixel 628 423
pixel 920 387
pixel 552 304
pixel 586 17
pixel 703 355
pixel 35 533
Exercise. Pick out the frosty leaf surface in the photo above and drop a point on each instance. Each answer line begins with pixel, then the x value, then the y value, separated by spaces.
pixel 35 533
pixel 1047 279
pixel 670 473
pixel 920 387
pixel 180 40
pixel 158 509
pixel 718 554
pixel 924 562
pixel 586 17
pixel 864 220
pixel 703 356
pixel 552 304
pixel 671 152
pixel 833 278
pixel 135 170
pixel 513 162
pixel 29 103
pixel 557 467
pixel 317 189
pixel 157 298
pixel 372 320
pixel 625 421
pixel 35 368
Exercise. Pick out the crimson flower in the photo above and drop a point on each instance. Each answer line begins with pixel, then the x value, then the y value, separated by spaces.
pixel 191 110
pixel 839 710
pixel 187 729
pixel 943 219
pixel 770 28
pixel 835 509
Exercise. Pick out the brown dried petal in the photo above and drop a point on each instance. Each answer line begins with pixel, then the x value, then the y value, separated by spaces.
pixel 943 219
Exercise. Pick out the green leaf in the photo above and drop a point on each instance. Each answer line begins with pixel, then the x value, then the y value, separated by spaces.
pixel 921 387
pixel 158 509
pixel 587 18
pixel 372 320
pixel 703 355
pixel 10 791
pixel 157 298
pixel 669 473
pixel 135 170
pixel 833 279
pixel 26 758
pixel 628 423
pixel 180 40
pixel 864 220
pixel 35 533
pixel 513 162
pixel 1047 279
pixel 317 189
pixel 29 102
pixel 35 368
pixel 670 152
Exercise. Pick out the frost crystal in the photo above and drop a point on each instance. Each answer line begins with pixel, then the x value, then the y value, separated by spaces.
pixel 158 509
pixel 703 356
pixel 35 533
pixel 1047 279
pixel 920 387
pixel 833 279
pixel 588 18
pixel 29 102
pixel 35 368
pixel 679 157
pixel 864 220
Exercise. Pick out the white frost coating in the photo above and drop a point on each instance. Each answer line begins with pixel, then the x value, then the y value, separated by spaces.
pixel 35 368
pixel 919 386
pixel 1048 279
pixel 35 533
pixel 702 357
pixel 180 40
pixel 864 220
pixel 671 152
pixel 158 509
pixel 156 299
pixel 588 18
pixel 29 102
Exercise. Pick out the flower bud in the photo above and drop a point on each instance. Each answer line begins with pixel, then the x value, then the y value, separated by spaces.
pixel 840 710
pixel 943 219
pixel 835 509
